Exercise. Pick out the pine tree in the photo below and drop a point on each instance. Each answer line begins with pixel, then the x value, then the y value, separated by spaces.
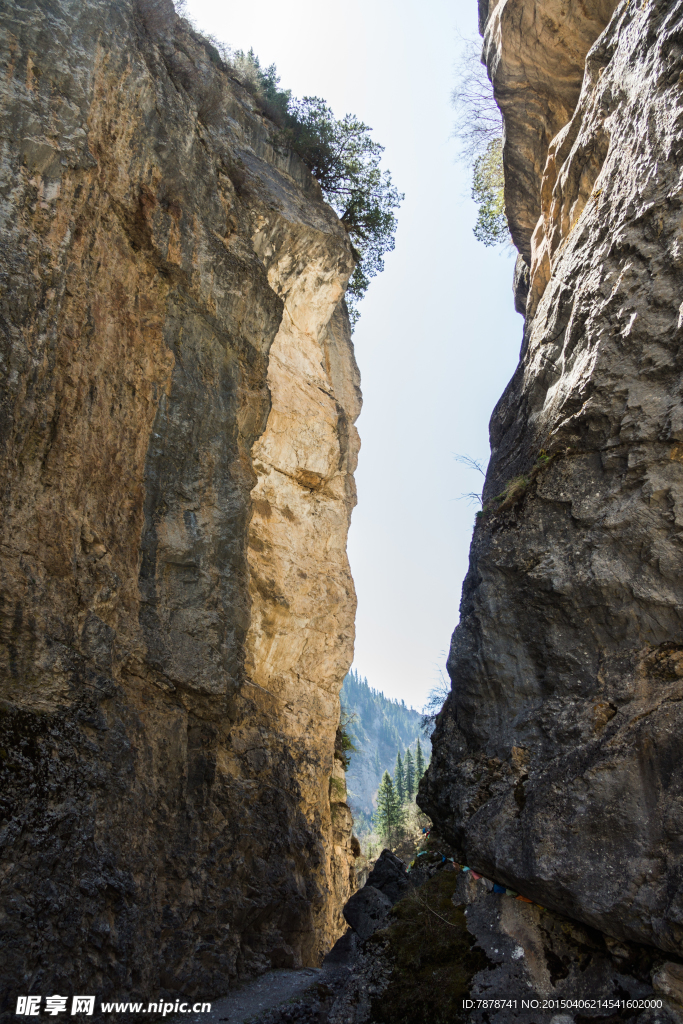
pixel 409 772
pixel 389 817
pixel 399 778
pixel 419 764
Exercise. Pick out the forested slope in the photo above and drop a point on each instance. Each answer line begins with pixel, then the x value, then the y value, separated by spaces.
pixel 379 728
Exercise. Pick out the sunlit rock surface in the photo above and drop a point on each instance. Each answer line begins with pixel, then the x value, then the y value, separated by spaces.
pixel 178 392
pixel 556 765
pixel 535 51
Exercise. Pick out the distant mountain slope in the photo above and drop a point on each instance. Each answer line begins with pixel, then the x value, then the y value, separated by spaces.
pixel 379 727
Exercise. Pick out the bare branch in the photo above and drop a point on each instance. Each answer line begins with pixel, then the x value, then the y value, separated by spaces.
pixel 435 701
pixel 423 903
pixel 472 498
pixel 478 119
pixel 472 463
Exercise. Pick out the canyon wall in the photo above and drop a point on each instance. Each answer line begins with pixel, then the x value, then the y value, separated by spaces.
pixel 178 393
pixel 557 757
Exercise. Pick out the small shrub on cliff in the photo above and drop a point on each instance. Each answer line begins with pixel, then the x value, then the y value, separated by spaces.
pixel 344 742
pixel 437 697
pixel 264 83
pixel 516 488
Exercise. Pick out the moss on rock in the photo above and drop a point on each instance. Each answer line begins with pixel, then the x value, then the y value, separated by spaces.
pixel 432 955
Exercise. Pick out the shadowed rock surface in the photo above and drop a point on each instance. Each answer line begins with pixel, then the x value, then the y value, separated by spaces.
pixel 177 398
pixel 389 876
pixel 366 911
pixel 368 908
pixel 453 950
pixel 557 757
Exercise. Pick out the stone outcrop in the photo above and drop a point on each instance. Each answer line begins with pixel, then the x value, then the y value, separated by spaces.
pixel 178 393
pixel 535 52
pixel 556 766
pixel 367 911
pixel 386 884
pixel 473 955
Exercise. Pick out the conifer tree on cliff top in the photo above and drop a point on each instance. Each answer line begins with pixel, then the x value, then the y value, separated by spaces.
pixel 389 818
pixel 409 772
pixel 344 158
pixel 399 778
pixel 419 763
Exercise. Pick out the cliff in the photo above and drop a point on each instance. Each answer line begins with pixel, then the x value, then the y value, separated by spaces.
pixel 178 393
pixel 556 767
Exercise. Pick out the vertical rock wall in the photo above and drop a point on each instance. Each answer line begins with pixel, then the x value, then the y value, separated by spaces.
pixel 556 765
pixel 177 400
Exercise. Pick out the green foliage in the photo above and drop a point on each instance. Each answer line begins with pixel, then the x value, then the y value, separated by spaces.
pixel 517 487
pixel 479 129
pixel 399 779
pixel 419 763
pixel 344 158
pixel 264 83
pixel 380 727
pixel 344 742
pixel 409 772
pixel 488 192
pixel 389 818
pixel 337 788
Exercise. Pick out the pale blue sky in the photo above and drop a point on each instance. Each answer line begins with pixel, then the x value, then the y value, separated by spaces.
pixel 438 337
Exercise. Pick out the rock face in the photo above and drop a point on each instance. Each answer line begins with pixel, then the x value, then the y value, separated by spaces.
pixel 389 876
pixel 556 765
pixel 535 51
pixel 387 883
pixel 178 392
pixel 367 910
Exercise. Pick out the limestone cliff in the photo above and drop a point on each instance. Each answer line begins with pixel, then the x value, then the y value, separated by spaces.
pixel 178 393
pixel 557 758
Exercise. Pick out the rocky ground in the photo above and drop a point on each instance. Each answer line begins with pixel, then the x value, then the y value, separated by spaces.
pixel 438 944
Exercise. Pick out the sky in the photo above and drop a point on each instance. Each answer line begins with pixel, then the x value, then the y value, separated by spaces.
pixel 438 338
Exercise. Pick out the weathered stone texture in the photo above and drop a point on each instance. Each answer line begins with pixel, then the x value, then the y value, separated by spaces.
pixel 557 758
pixel 170 297
pixel 535 51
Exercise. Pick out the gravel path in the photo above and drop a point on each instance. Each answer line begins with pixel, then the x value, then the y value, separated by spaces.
pixel 254 997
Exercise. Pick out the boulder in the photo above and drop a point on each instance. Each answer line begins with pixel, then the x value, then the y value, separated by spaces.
pixel 389 876
pixel 367 910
